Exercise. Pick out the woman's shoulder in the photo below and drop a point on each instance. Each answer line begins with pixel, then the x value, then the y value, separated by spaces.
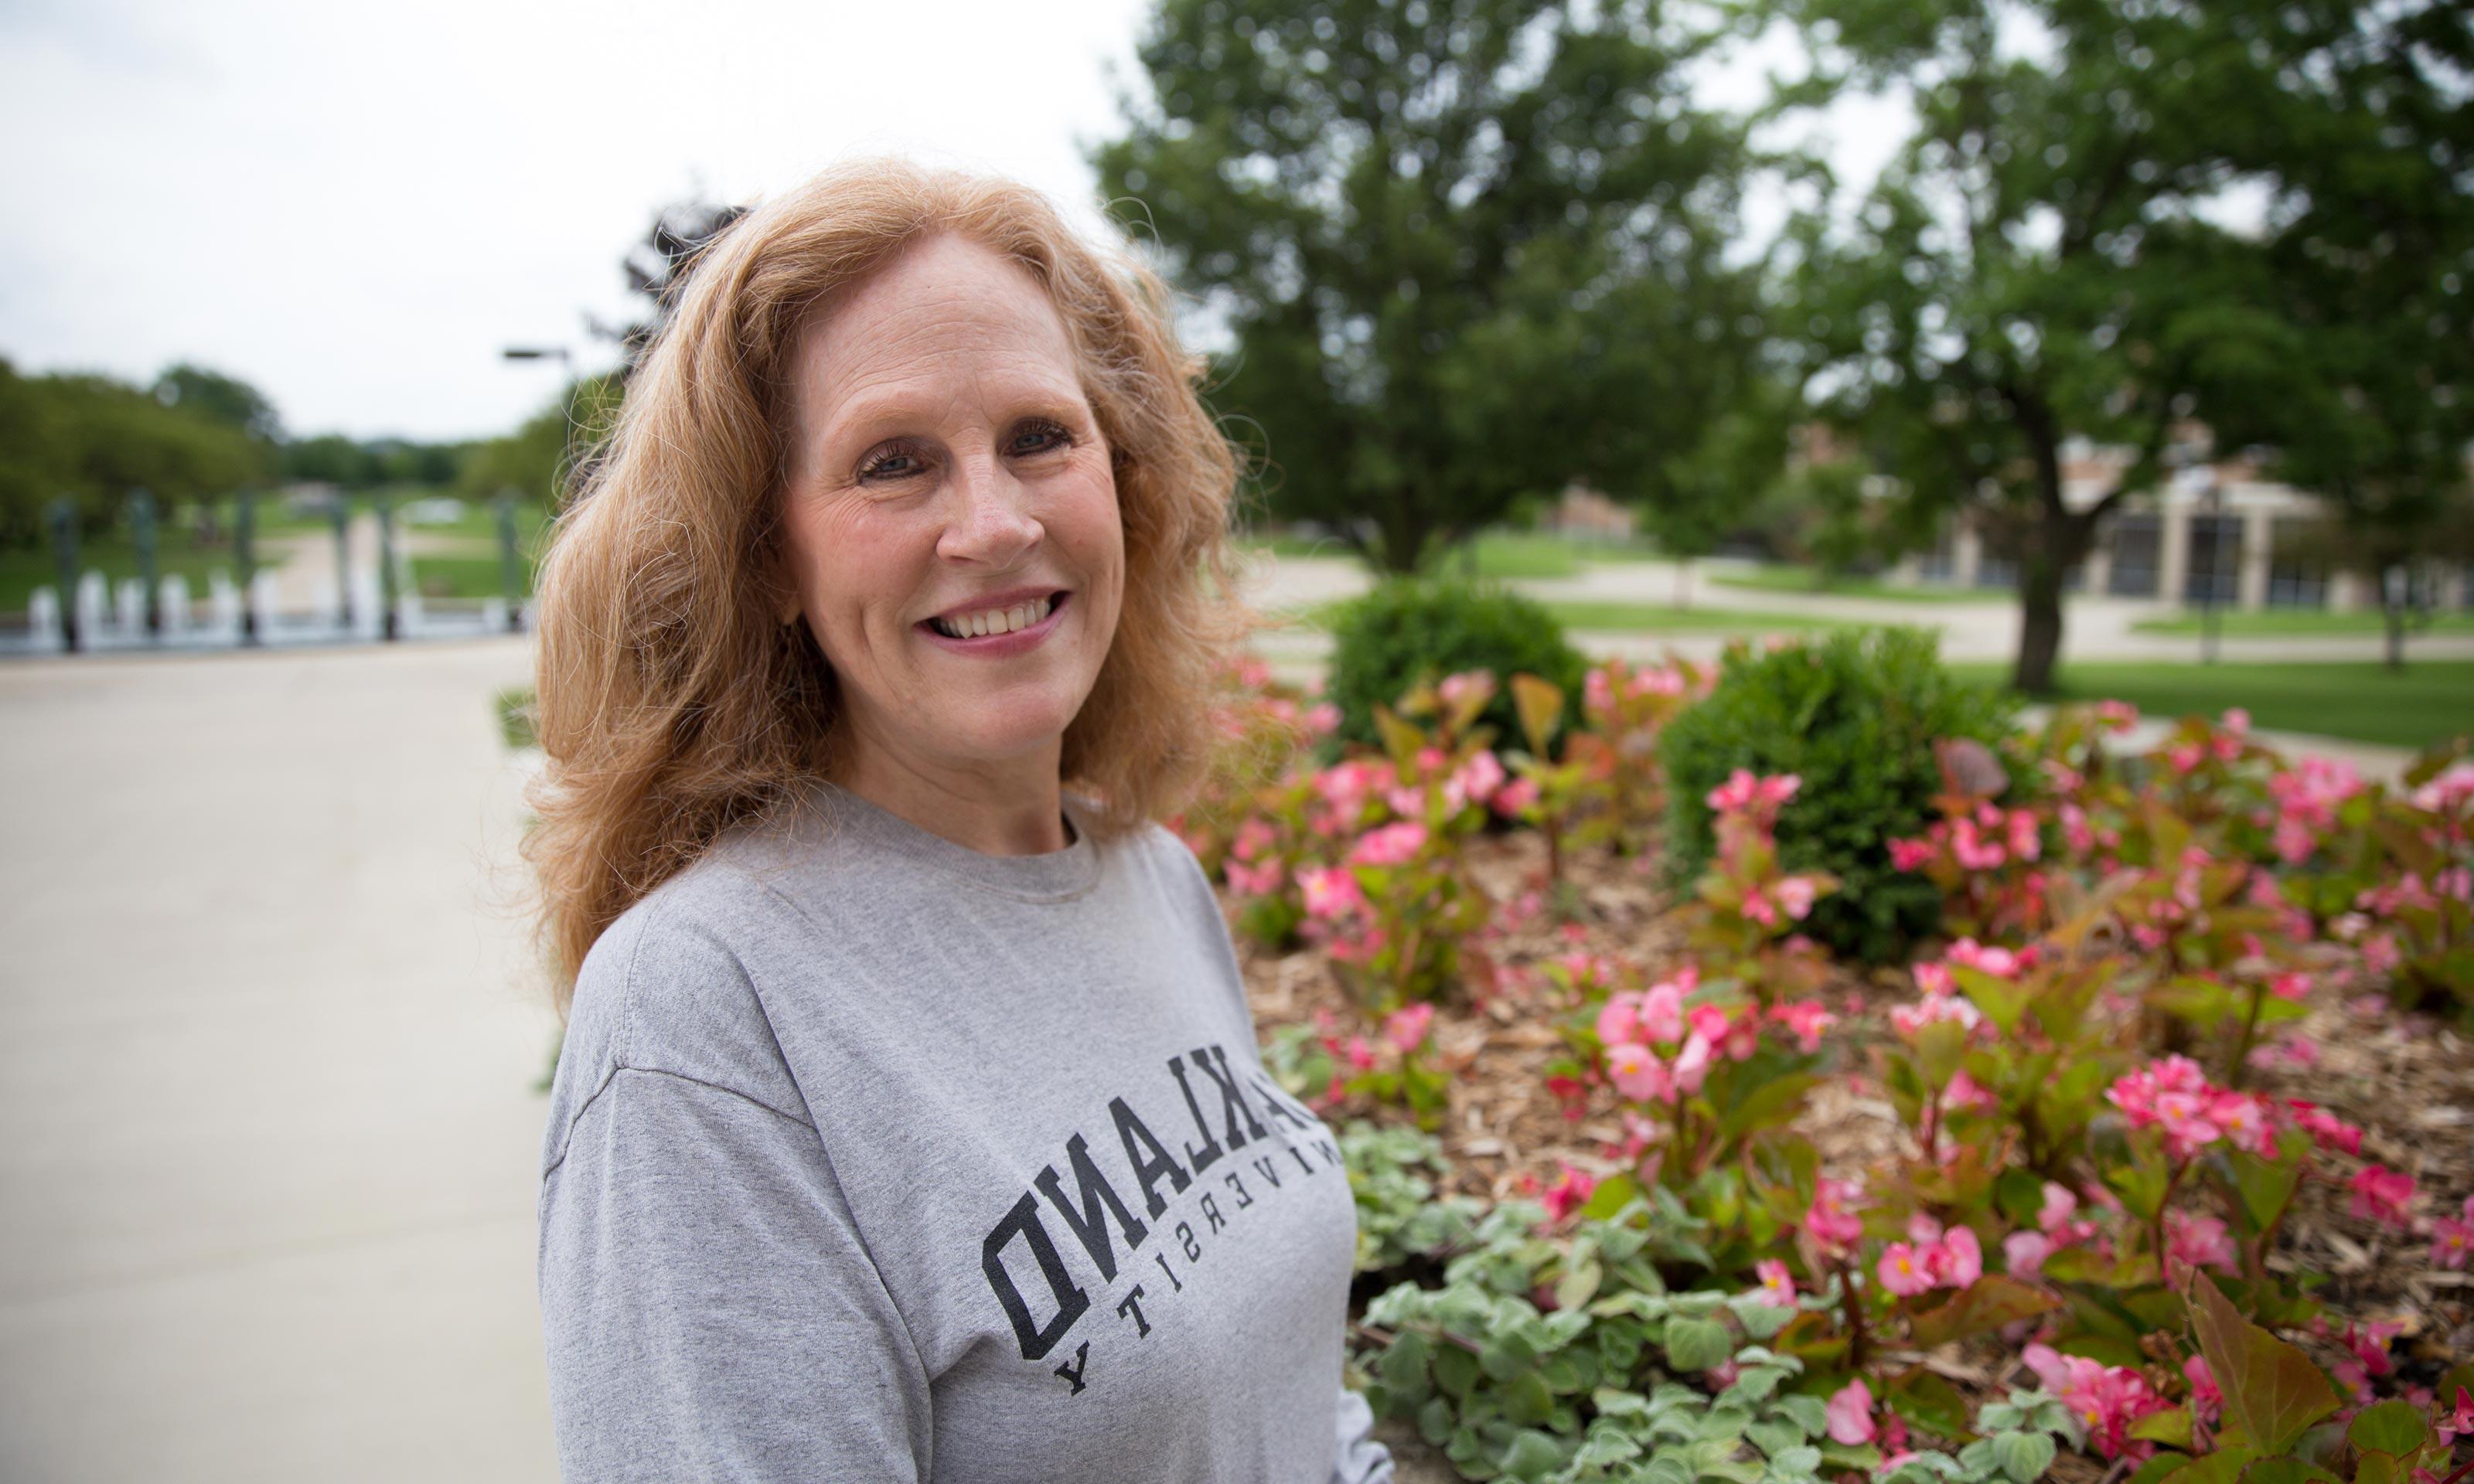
pixel 666 990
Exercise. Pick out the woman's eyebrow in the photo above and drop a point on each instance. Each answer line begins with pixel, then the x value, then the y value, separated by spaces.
pixel 885 410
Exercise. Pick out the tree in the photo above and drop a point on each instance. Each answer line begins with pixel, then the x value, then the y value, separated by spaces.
pixel 95 439
pixel 2373 406
pixel 657 269
pixel 2038 261
pixel 219 399
pixel 544 458
pixel 1468 249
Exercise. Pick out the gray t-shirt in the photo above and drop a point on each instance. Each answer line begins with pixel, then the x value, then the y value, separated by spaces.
pixel 874 1158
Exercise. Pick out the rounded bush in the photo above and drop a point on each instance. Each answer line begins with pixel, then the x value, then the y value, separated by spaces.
pixel 1410 629
pixel 1855 715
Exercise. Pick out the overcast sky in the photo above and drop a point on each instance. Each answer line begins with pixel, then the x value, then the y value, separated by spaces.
pixel 355 210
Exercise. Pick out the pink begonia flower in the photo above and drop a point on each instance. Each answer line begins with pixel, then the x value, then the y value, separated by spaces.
pixel 2371 1345
pixel 2461 1422
pixel 1957 1260
pixel 1470 686
pixel 1910 855
pixel 1831 1222
pixel 1709 1021
pixel 2205 1396
pixel 1406 1027
pixel 2382 1194
pixel 1795 896
pixel 1902 1270
pixel 1661 1006
pixel 1516 797
pixel 1253 880
pixel 1321 719
pixel 2331 1131
pixel 1361 1056
pixel 1638 1075
pixel 2025 842
pixel 2024 1252
pixel 2452 1239
pixel 1331 893
pixel 1618 1018
pixel 1480 776
pixel 2198 1242
pixel 1570 1193
pixel 1999 962
pixel 1778 1285
pixel 1805 1021
pixel 1254 837
pixel 2106 1399
pixel 1692 1064
pixel 1965 1095
pixel 2244 1117
pixel 1851 1415
pixel 1393 845
pixel 2060 1203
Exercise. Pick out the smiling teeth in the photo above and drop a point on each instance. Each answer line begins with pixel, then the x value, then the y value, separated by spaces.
pixel 995 620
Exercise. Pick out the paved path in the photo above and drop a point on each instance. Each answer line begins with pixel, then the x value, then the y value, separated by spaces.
pixel 2094 628
pixel 267 1048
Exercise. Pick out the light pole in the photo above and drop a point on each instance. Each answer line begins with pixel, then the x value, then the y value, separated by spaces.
pixel 508 557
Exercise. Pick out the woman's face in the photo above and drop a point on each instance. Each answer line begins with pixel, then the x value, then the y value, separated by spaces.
pixel 950 521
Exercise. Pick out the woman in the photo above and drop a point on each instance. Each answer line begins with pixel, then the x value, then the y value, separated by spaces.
pixel 909 1124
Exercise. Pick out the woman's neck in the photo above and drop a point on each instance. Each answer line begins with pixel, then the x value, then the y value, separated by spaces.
pixel 1013 809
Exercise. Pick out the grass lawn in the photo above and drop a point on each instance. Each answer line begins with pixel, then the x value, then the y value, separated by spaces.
pixel 1497 553
pixel 23 570
pixel 2428 701
pixel 1628 618
pixel 465 577
pixel 1798 579
pixel 2304 623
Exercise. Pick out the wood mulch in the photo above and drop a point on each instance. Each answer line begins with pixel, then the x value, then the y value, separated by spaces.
pixel 2406 1080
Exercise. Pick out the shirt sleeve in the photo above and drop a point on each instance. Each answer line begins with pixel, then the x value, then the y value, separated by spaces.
pixel 1360 1459
pixel 709 1309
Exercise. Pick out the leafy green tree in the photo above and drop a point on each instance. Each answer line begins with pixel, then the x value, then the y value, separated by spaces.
pixel 546 457
pixel 1466 250
pixel 2039 260
pixel 219 399
pixel 95 439
pixel 2372 405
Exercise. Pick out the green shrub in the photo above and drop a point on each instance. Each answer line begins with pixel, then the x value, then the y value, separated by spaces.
pixel 1855 715
pixel 1423 628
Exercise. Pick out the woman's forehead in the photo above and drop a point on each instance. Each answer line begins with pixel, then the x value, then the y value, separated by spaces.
pixel 946 314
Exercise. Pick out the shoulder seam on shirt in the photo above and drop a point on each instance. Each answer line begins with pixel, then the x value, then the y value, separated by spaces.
pixel 656 1072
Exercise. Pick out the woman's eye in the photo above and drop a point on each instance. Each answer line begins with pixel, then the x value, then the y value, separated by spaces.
pixel 890 464
pixel 1040 437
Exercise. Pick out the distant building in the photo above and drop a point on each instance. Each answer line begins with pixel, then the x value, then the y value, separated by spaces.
pixel 1586 514
pixel 2218 532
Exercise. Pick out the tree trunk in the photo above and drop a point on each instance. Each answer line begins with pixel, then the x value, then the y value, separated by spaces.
pixel 2393 614
pixel 2040 624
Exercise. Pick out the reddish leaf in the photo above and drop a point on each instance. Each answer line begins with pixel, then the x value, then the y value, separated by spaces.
pixel 2271 1390
pixel 1988 1303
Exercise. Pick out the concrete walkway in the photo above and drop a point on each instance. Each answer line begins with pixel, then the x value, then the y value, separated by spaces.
pixel 267 1048
pixel 2094 628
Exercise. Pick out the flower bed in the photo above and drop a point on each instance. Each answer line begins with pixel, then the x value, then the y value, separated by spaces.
pixel 2157 1159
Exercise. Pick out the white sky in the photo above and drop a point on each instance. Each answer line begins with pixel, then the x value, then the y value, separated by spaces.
pixel 355 210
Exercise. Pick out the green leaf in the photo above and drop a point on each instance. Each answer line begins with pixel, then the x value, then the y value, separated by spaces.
pixel 1927 1402
pixel 1527 1399
pixel 1456 1370
pixel 1987 1303
pixel 2287 1471
pixel 1532 1455
pixel 2025 1456
pixel 2224 1465
pixel 1696 1345
pixel 2171 1427
pixel 1613 1194
pixel 2157 1466
pixel 2396 1427
pixel 2272 1389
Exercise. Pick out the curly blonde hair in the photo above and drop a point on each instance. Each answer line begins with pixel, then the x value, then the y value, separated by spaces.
pixel 671 700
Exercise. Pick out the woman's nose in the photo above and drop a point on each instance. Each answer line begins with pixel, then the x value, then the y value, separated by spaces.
pixel 990 522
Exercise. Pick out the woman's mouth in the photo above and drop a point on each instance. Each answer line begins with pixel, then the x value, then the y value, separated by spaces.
pixel 996 631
